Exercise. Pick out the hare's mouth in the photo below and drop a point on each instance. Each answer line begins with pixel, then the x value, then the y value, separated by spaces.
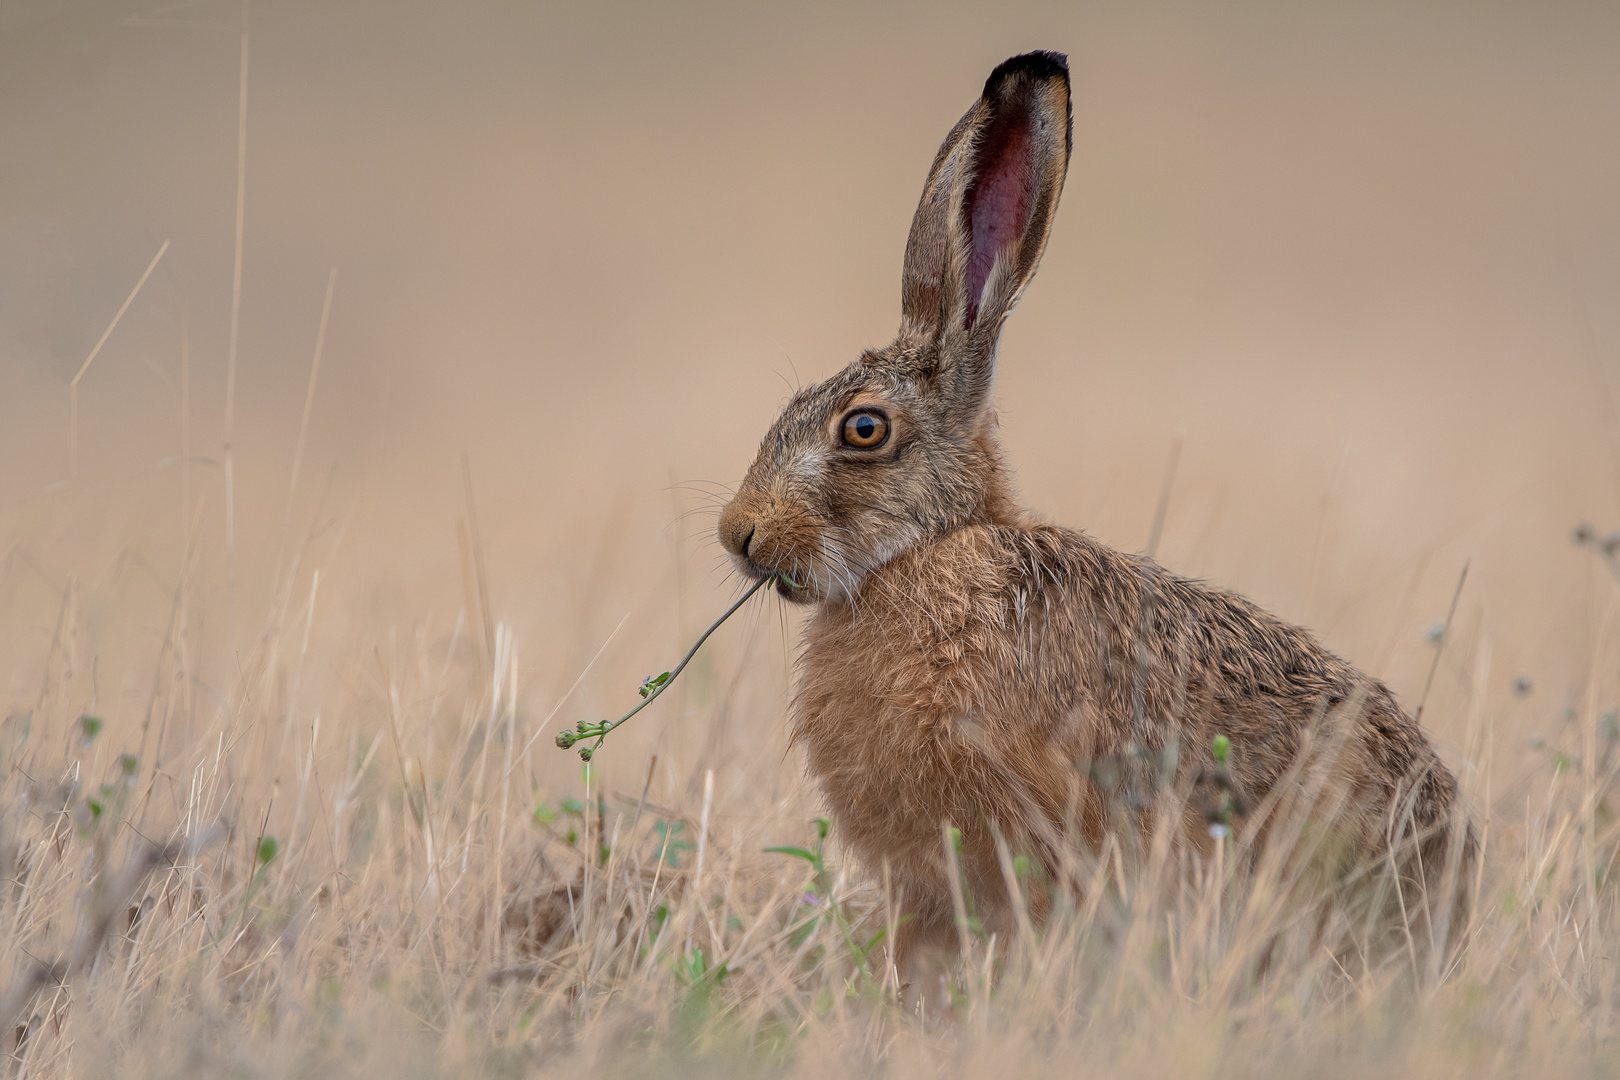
pixel 796 586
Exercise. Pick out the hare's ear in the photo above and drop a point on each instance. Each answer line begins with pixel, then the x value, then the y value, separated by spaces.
pixel 987 207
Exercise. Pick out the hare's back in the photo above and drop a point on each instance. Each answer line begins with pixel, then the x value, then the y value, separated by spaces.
pixel 1179 659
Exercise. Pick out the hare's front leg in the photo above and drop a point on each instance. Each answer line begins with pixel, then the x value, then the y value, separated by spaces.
pixel 926 948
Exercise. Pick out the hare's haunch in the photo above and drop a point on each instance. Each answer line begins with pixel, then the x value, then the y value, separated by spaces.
pixel 966 664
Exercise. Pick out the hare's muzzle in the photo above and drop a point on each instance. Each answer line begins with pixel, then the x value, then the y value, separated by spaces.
pixel 766 536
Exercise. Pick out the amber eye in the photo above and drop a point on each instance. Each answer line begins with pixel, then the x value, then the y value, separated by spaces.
pixel 865 430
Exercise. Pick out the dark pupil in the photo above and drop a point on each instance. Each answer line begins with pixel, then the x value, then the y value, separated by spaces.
pixel 865 427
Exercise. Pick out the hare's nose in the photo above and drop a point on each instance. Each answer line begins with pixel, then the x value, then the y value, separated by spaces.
pixel 738 527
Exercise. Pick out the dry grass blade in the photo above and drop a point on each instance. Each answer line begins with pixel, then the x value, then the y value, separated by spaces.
pixel 73 386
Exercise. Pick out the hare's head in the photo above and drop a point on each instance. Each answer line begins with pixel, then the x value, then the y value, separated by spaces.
pixel 901 444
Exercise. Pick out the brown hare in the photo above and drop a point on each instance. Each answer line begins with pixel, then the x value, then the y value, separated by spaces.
pixel 964 662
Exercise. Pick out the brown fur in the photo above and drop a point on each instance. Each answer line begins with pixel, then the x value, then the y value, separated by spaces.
pixel 967 664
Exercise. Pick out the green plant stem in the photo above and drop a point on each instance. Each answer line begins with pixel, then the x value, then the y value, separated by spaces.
pixel 600 730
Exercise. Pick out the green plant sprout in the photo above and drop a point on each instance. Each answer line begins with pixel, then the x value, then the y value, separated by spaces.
pixel 654 685
pixel 1221 826
pixel 264 853
pixel 821 885
pixel 1606 546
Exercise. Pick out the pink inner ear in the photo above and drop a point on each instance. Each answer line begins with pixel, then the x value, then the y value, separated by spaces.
pixel 997 206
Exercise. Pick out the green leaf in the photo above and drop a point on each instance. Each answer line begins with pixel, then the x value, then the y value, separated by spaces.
pixel 544 813
pixel 667 843
pixel 803 931
pixel 872 943
pixel 129 763
pixel 1220 747
pixel 90 727
pixel 95 808
pixel 796 852
pixel 267 850
pixel 571 805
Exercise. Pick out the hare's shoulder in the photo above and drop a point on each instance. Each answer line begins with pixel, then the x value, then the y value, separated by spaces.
pixel 930 628
pixel 964 590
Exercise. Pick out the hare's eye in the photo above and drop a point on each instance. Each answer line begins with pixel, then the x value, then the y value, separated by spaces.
pixel 865 430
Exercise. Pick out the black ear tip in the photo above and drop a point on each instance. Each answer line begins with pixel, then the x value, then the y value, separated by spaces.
pixel 1035 66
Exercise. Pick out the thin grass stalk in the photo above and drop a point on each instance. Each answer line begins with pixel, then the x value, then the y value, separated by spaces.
pixel 696 895
pixel 73 386
pixel 506 778
pixel 236 325
pixel 309 400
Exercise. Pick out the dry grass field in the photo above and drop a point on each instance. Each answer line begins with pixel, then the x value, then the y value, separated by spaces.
pixel 285 641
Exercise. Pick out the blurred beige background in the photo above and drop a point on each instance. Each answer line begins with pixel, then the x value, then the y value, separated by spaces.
pixel 1367 260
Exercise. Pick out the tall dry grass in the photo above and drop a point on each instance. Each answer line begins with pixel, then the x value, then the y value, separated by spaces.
pixel 282 874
